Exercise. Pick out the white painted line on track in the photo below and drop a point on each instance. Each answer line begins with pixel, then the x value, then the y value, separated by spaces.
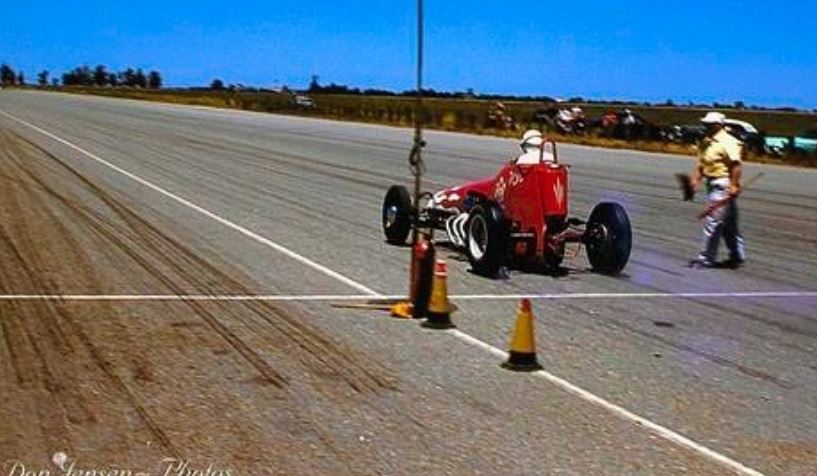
pixel 682 295
pixel 183 297
pixel 362 297
pixel 585 395
pixel 244 231
pixel 657 429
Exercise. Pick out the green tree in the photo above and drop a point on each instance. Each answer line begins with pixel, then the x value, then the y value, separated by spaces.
pixel 314 85
pixel 140 79
pixel 128 78
pixel 113 79
pixel 7 75
pixel 217 85
pixel 21 79
pixel 42 78
pixel 100 76
pixel 154 80
pixel 79 76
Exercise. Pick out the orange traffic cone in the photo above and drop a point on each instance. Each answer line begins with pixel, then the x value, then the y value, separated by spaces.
pixel 523 346
pixel 438 315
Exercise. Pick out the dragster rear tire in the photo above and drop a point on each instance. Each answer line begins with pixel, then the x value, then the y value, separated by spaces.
pixel 397 211
pixel 486 239
pixel 608 238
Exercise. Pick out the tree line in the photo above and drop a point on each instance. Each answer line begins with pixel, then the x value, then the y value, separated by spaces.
pixel 100 77
pixel 83 75
pixel 316 88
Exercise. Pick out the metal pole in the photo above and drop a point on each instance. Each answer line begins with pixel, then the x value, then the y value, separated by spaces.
pixel 416 158
pixel 420 45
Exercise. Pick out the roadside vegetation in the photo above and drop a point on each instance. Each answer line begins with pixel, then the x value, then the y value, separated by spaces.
pixel 463 112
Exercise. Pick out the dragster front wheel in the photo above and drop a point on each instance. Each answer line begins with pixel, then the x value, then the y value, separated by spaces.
pixel 608 238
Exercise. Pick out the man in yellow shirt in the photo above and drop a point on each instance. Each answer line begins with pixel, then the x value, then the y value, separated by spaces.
pixel 719 168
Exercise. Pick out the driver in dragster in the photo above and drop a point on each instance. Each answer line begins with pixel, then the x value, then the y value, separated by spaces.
pixel 532 154
pixel 531 145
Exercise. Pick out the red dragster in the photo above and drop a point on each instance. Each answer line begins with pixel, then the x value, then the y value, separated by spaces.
pixel 520 215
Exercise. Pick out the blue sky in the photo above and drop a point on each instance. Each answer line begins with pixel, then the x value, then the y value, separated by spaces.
pixel 762 52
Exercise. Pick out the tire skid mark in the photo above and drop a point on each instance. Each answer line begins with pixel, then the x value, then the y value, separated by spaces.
pixel 785 276
pixel 15 359
pixel 37 381
pixel 111 233
pixel 252 157
pixel 251 154
pixel 306 163
pixel 100 362
pixel 318 347
pixel 54 329
pixel 216 183
pixel 261 159
pixel 772 322
pixel 142 243
pixel 654 267
pixel 189 265
pixel 269 162
pixel 731 311
pixel 709 356
pixel 34 374
pixel 121 386
pixel 74 408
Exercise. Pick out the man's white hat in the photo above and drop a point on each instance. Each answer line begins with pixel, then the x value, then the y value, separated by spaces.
pixel 713 117
pixel 531 138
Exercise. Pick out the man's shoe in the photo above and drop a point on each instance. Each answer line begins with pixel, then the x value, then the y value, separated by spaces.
pixel 733 263
pixel 701 263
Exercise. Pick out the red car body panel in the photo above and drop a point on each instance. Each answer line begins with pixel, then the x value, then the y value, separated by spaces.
pixel 531 197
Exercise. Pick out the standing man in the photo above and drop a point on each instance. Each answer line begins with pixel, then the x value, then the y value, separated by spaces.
pixel 719 168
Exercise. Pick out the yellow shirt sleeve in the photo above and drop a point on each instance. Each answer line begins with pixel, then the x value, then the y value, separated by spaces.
pixel 732 148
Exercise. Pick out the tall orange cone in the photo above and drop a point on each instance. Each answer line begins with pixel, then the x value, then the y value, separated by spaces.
pixel 523 346
pixel 438 315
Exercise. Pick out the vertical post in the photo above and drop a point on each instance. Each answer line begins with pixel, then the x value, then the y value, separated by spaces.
pixel 422 248
pixel 416 159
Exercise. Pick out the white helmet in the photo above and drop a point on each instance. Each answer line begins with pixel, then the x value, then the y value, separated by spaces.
pixel 531 138
pixel 713 117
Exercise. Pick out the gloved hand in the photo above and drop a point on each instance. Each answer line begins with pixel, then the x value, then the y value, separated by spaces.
pixel 687 187
pixel 734 190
